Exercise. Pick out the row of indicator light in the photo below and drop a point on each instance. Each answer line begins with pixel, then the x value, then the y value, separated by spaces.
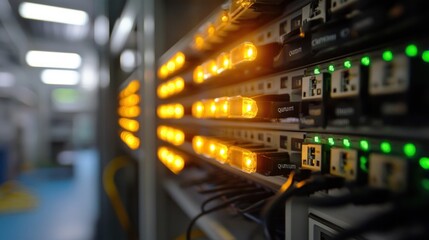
pixel 131 88
pixel 171 159
pixel 129 124
pixel 210 31
pixel 245 52
pixel 171 87
pixel 408 149
pixel 225 21
pixel 171 135
pixel 172 65
pixel 174 110
pixel 128 138
pixel 225 107
pixel 221 151
pixel 129 108
pixel 410 50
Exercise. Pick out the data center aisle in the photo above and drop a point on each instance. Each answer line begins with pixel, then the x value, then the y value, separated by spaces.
pixel 67 206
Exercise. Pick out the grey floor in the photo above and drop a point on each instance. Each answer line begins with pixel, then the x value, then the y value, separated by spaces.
pixel 67 208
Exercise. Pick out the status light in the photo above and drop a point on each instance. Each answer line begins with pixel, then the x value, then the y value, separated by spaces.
pixel 346 142
pixel 171 135
pixel 173 161
pixel 385 147
pixel 246 52
pixel 425 56
pixel 316 139
pixel 129 112
pixel 198 143
pixel 242 158
pixel 171 87
pixel 170 111
pixel 331 141
pixel 248 107
pixel 411 50
pixel 410 150
pixel 387 56
pixel 172 65
pixel 316 71
pixel 424 163
pixel 223 62
pixel 348 64
pixel 331 68
pixel 131 100
pixel 366 61
pixel 129 124
pixel 131 88
pixel 132 141
pixel 364 145
pixel 198 75
pixel 198 109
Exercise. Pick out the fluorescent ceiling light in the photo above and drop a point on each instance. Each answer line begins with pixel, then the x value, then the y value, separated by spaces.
pixel 53 59
pixel 6 79
pixel 52 14
pixel 60 77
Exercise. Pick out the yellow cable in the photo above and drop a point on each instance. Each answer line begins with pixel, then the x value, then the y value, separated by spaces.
pixel 112 192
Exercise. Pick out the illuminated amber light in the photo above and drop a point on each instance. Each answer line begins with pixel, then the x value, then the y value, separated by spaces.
pixel 199 42
pixel 172 65
pixel 211 30
pixel 223 62
pixel 170 111
pixel 198 109
pixel 225 107
pixel 131 88
pixel 130 112
pixel 173 161
pixel 130 140
pixel 171 135
pixel 246 52
pixel 130 100
pixel 242 107
pixel 171 87
pixel 221 153
pixel 198 143
pixel 242 158
pixel 129 124
pixel 198 75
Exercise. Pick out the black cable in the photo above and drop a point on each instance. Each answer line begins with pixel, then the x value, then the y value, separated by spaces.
pixel 303 188
pixel 362 196
pixel 400 215
pixel 253 206
pixel 222 188
pixel 219 207
pixel 227 193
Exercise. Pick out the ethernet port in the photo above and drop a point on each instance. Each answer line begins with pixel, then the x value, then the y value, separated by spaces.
pixel 311 157
pixel 312 87
pixel 389 77
pixel 346 83
pixel 344 163
pixel 388 172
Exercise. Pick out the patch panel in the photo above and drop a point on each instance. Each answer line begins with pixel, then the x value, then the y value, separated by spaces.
pixel 335 87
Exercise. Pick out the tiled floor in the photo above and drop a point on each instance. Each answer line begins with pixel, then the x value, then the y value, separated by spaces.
pixel 67 208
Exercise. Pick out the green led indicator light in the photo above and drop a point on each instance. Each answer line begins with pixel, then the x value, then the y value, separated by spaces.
pixel 331 68
pixel 425 56
pixel 316 71
pixel 410 150
pixel 348 64
pixel 425 184
pixel 346 142
pixel 364 145
pixel 387 56
pixel 316 139
pixel 411 50
pixel 363 163
pixel 331 141
pixel 424 163
pixel 366 61
pixel 385 147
